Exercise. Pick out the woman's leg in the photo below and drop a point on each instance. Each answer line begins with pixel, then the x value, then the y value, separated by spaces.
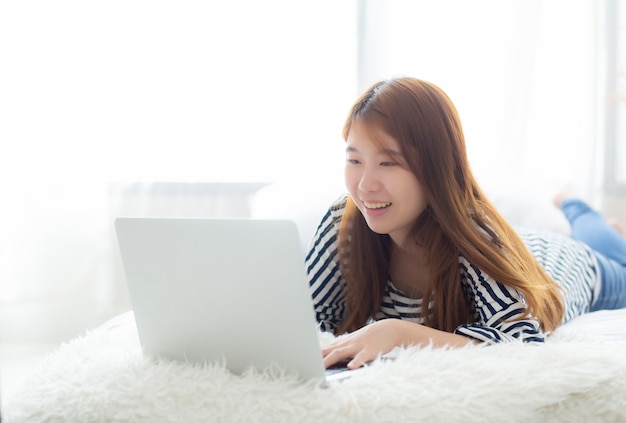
pixel 590 227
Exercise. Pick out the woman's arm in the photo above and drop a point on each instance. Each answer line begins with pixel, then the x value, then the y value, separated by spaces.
pixel 324 275
pixel 378 338
pixel 500 311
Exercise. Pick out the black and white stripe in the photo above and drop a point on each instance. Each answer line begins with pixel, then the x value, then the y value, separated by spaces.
pixel 322 266
pixel 570 263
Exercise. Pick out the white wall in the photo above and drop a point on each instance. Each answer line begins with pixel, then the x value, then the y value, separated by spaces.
pixel 94 94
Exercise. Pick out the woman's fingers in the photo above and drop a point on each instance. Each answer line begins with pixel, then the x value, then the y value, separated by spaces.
pixel 354 356
pixel 366 344
pixel 333 355
pixel 348 350
pixel 360 359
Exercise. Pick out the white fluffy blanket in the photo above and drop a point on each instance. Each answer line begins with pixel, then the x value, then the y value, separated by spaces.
pixel 103 377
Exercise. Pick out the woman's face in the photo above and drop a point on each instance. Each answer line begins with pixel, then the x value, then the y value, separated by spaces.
pixel 381 184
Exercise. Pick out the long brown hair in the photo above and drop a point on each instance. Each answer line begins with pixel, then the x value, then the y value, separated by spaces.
pixel 459 219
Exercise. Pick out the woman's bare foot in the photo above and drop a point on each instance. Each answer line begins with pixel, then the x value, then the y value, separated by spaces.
pixel 617 225
pixel 558 198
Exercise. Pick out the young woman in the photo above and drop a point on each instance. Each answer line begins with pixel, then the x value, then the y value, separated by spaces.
pixel 416 254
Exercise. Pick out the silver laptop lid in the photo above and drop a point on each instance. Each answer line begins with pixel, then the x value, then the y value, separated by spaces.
pixel 211 289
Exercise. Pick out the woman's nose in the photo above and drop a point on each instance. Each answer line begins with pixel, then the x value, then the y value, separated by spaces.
pixel 369 181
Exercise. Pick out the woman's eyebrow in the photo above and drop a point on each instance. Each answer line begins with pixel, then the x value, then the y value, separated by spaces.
pixel 387 151
pixel 392 152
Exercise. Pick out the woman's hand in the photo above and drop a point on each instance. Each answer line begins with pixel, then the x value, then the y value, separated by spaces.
pixel 378 338
pixel 367 343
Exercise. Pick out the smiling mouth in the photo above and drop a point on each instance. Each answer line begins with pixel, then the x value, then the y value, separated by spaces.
pixel 376 205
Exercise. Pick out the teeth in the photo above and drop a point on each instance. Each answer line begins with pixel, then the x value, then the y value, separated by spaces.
pixel 376 205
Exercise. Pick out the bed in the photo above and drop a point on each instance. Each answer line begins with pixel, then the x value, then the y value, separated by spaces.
pixel 579 375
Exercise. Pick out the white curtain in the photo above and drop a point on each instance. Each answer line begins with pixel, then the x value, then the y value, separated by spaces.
pixel 615 33
pixel 524 75
pixel 99 95
pixel 99 98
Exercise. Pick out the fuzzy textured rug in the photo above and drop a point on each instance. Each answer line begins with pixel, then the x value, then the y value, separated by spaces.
pixel 103 377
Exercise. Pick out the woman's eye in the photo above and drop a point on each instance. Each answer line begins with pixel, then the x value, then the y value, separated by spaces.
pixel 352 161
pixel 388 163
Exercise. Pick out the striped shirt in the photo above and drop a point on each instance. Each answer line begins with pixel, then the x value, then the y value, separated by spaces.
pixel 570 263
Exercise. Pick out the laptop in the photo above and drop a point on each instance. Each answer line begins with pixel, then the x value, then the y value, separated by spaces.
pixel 229 290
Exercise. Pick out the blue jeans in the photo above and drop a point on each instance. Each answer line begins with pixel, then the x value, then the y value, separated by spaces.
pixel 590 227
